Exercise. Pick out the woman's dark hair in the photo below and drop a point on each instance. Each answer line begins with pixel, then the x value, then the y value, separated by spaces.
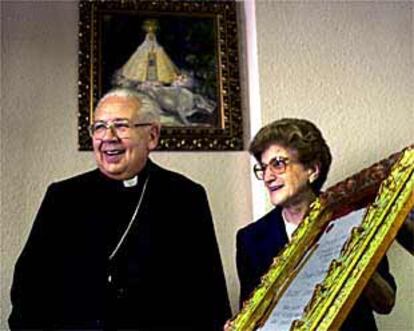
pixel 301 136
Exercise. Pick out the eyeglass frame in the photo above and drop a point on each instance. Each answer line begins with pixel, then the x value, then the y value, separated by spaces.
pixel 284 161
pixel 111 125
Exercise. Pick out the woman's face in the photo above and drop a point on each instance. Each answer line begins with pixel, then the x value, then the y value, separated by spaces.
pixel 291 186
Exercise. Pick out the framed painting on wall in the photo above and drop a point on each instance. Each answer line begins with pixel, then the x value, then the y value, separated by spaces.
pixel 183 54
pixel 314 282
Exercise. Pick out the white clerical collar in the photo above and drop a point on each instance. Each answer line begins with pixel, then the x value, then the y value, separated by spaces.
pixel 131 182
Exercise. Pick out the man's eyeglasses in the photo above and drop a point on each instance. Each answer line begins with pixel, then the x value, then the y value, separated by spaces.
pixel 277 165
pixel 121 128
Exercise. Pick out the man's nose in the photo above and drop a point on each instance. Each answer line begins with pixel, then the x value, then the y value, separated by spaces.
pixel 110 134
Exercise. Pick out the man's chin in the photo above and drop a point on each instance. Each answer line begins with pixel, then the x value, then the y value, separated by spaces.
pixel 114 173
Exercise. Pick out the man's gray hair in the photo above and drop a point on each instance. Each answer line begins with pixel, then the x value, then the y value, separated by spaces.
pixel 149 110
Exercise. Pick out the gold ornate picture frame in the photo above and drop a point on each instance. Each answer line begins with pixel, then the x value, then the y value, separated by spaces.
pixel 183 54
pixel 386 190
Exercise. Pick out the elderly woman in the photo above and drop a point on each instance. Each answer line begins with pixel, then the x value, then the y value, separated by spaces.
pixel 293 163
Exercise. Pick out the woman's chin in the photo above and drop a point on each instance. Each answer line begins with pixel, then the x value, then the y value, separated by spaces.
pixel 278 200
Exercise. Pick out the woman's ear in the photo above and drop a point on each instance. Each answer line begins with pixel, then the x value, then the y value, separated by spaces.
pixel 313 172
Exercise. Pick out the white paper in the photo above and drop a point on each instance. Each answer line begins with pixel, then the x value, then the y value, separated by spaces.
pixel 290 307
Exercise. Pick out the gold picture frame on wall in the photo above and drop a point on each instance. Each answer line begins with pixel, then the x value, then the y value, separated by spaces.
pixel 183 54
pixel 377 199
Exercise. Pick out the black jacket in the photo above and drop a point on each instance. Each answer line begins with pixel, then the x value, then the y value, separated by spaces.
pixel 166 275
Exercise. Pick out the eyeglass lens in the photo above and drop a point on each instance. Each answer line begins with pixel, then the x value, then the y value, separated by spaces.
pixel 277 165
pixel 121 128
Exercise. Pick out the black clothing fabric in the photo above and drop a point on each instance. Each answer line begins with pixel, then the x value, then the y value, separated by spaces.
pixel 258 243
pixel 166 275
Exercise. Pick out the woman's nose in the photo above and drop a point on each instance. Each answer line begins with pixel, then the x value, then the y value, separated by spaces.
pixel 268 175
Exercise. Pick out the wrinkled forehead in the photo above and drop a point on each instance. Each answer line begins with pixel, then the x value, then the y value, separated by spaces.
pixel 115 107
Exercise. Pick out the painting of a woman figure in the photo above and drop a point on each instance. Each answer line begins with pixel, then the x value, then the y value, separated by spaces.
pixel 151 70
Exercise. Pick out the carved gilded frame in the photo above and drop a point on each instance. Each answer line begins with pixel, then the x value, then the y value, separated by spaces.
pixel 387 188
pixel 223 130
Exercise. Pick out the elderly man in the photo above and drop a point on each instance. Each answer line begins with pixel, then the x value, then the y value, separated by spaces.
pixel 129 245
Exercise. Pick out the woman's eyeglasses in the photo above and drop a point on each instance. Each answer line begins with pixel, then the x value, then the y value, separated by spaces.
pixel 277 165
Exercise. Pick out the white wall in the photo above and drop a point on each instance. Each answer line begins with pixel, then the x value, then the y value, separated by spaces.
pixel 347 66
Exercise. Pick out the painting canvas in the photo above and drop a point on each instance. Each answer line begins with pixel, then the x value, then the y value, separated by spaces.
pixel 173 59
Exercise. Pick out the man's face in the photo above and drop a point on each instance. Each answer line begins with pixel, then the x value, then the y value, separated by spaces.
pixel 123 158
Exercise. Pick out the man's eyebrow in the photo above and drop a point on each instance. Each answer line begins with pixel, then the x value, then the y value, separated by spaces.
pixel 113 120
pixel 121 119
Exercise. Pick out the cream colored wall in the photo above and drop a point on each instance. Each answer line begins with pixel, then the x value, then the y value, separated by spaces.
pixel 347 66
pixel 39 140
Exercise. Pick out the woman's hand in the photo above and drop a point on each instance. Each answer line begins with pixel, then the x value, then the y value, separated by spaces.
pixel 379 294
pixel 228 325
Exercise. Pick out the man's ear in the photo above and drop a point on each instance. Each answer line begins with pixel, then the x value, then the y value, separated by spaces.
pixel 154 136
pixel 313 172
